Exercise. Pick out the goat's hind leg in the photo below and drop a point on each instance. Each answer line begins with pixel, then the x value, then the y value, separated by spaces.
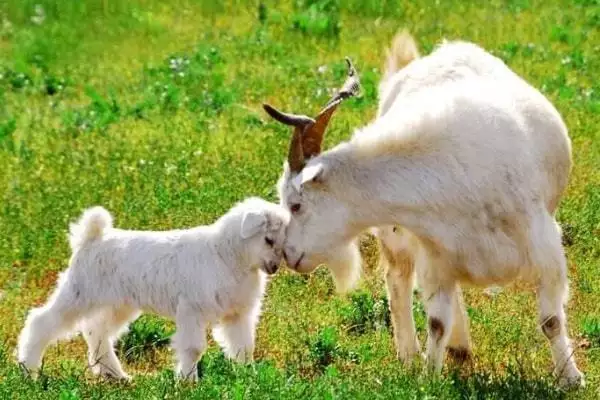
pixel 100 332
pixel 553 322
pixel 552 295
pixel 48 323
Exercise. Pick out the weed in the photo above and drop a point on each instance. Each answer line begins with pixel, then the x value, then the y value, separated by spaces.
pixel 262 12
pixel 514 384
pixel 591 330
pixel 195 82
pixel 317 17
pixel 569 232
pixel 509 50
pixel 373 8
pixel 562 34
pixel 99 114
pixel 145 336
pixel 518 6
pixel 67 394
pixel 365 313
pixel 7 128
pixel 15 80
pixel 54 85
pixel 593 17
pixel 324 348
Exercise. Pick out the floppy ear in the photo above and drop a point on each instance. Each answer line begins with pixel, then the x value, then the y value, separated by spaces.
pixel 276 224
pixel 253 222
pixel 310 173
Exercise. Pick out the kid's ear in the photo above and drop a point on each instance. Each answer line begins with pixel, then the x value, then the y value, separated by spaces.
pixel 310 173
pixel 275 224
pixel 253 222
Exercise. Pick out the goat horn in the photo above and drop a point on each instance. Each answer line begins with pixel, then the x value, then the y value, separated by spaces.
pixel 286 118
pixel 296 153
pixel 313 135
pixel 350 88
pixel 299 122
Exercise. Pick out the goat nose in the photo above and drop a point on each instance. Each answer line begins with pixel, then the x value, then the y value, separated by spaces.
pixel 285 256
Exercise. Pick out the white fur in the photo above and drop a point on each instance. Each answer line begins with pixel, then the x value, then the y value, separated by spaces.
pixel 211 274
pixel 471 162
pixel 91 226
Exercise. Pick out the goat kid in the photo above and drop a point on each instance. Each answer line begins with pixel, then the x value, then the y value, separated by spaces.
pixel 213 274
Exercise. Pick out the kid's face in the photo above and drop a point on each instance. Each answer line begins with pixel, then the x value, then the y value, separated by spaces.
pixel 272 252
pixel 266 230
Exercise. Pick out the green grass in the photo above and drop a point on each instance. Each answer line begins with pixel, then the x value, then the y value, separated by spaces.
pixel 153 110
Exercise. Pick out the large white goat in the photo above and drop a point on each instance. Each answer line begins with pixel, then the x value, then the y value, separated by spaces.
pixel 207 275
pixel 470 161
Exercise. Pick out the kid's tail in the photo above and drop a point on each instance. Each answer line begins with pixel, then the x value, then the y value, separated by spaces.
pixel 90 227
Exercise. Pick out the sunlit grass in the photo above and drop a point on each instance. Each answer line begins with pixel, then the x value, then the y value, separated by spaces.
pixel 153 110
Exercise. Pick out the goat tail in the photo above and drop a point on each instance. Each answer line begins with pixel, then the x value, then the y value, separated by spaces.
pixel 90 227
pixel 402 52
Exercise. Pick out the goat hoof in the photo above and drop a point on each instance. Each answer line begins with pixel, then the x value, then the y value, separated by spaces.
pixel 406 354
pixel 110 374
pixel 572 382
pixel 31 373
pixel 191 377
pixel 460 355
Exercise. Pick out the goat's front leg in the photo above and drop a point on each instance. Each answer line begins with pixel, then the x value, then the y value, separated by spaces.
pixel 438 303
pixel 236 335
pixel 189 341
pixel 399 279
pixel 439 295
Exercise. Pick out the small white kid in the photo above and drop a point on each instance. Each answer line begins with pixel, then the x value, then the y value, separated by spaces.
pixel 214 274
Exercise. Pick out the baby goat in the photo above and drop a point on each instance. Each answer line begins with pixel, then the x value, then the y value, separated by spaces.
pixel 211 274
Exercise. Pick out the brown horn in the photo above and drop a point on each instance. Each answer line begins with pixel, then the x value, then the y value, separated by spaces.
pixel 288 119
pixel 295 153
pixel 299 122
pixel 313 135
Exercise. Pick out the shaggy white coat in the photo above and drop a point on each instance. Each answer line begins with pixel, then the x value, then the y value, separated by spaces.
pixel 211 274
pixel 471 162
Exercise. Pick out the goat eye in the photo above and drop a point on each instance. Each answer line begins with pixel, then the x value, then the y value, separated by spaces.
pixel 269 241
pixel 295 208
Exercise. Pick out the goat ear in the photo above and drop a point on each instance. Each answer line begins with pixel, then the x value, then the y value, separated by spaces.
pixel 253 222
pixel 310 173
pixel 275 224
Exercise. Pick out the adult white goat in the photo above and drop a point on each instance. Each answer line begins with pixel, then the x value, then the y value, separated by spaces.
pixel 470 160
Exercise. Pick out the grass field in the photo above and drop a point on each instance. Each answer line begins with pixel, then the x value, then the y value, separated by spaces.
pixel 153 110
